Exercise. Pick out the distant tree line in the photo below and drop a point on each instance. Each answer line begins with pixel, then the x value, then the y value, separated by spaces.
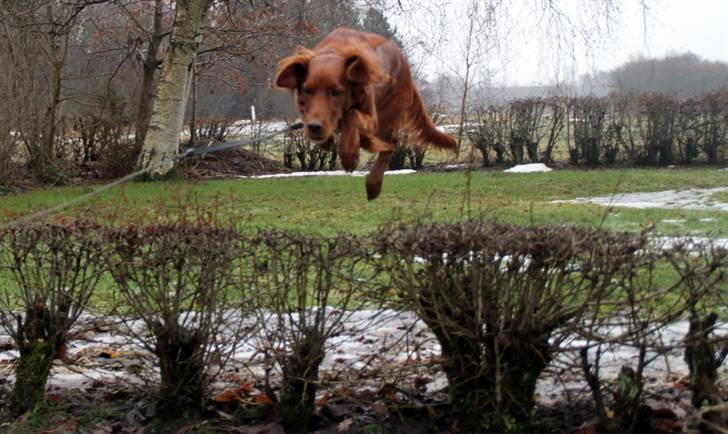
pixel 683 75
pixel 646 130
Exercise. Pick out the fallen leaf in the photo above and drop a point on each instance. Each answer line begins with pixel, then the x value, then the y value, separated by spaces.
pixel 228 396
pixel 263 400
pixel 248 388
pixel 323 400
pixel 108 354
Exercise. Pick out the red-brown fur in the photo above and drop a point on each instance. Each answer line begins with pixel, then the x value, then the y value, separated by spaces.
pixel 360 85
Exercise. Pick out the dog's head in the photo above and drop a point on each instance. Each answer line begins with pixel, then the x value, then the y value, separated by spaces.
pixel 327 85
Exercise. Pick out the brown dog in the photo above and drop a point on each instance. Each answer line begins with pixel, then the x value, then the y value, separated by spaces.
pixel 360 85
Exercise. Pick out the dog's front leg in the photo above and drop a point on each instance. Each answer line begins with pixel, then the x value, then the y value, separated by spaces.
pixel 376 174
pixel 349 141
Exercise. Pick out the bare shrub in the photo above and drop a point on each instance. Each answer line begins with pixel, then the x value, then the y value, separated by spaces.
pixel 55 269
pixel 489 133
pixel 408 153
pixel 634 316
pixel 102 136
pixel 702 270
pixel 210 129
pixel 309 156
pixel 494 296
pixel 178 278
pixel 658 288
pixel 688 133
pixel 618 130
pixel 555 114
pixel 525 128
pixel 657 128
pixel 587 116
pixel 715 126
pixel 308 287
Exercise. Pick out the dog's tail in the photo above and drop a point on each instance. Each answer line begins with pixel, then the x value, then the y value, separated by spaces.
pixel 421 124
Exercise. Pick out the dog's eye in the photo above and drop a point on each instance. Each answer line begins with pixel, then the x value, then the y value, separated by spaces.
pixel 336 92
pixel 309 90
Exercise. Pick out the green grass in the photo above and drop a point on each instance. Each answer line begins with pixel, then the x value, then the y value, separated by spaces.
pixel 327 205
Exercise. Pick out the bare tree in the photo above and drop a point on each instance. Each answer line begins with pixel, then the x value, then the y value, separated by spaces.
pixel 165 125
pixel 150 61
pixel 47 29
pixel 657 128
pixel 556 113
pixel 478 41
pixel 488 135
pixel 525 128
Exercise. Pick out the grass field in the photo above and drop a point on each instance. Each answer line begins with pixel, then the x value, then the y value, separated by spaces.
pixel 327 205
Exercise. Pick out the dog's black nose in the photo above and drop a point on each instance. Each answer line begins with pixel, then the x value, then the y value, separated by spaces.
pixel 314 128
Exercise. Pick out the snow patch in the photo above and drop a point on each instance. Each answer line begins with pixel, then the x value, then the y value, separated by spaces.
pixel 247 128
pixel 529 168
pixel 690 242
pixel 694 198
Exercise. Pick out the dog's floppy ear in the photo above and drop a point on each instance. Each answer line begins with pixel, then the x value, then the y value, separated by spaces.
pixel 360 69
pixel 363 72
pixel 363 98
pixel 292 69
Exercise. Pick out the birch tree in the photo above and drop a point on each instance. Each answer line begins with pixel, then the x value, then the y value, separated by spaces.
pixel 150 63
pixel 479 39
pixel 162 140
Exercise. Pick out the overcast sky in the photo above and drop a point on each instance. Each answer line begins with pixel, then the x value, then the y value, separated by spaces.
pixel 525 56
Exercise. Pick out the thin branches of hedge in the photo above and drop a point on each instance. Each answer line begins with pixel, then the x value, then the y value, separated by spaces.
pixel 504 303
pixel 55 269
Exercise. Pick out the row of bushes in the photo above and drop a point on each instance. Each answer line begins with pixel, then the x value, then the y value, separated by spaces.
pixel 502 301
pixel 648 129
pixel 99 142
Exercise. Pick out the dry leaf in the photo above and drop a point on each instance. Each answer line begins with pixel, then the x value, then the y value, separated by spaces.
pixel 263 400
pixel 227 396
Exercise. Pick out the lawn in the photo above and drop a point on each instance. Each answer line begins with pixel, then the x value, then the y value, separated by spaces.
pixel 327 205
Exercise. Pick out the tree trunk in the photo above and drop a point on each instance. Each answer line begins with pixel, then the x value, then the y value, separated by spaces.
pixel 162 141
pixel 193 113
pixel 31 376
pixel 701 360
pixel 150 65
pixel 182 371
pixel 491 373
pixel 58 52
pixel 463 105
pixel 300 376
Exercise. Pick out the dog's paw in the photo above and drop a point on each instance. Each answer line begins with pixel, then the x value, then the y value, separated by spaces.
pixel 373 189
pixel 349 160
